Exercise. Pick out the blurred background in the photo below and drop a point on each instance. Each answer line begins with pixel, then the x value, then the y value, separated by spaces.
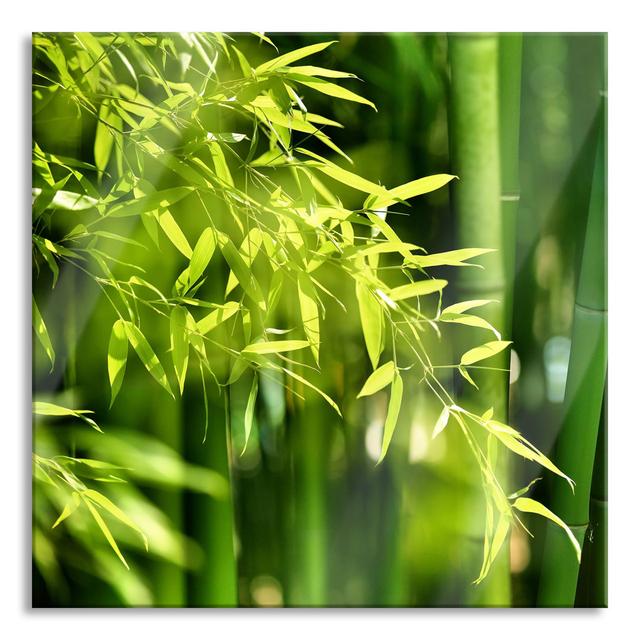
pixel 316 521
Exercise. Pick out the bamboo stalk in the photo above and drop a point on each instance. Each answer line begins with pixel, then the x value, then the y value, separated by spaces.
pixel 475 138
pixel 576 445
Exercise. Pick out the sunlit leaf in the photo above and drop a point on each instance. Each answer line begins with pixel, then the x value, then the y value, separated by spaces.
pixel 448 258
pixel 202 253
pixel 379 379
pixel 421 288
pixel 275 346
pixel 395 400
pixel 309 313
pixel 441 422
pixel 249 411
pixel 372 320
pixel 50 409
pixel 117 357
pixel 174 233
pixel 179 343
pixel 42 334
pixel 409 190
pixel 292 56
pixel 483 352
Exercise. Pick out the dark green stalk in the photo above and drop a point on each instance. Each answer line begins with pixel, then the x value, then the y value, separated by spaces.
pixel 576 445
pixel 475 138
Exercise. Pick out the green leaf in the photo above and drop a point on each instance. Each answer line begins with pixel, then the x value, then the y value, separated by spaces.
pixel 275 346
pixel 103 143
pixel 309 313
pixel 465 374
pixel 461 307
pixel 49 409
pixel 441 422
pixel 249 249
pixel 117 357
pixel 319 71
pixel 470 321
pixel 372 321
pixel 409 190
pixel 330 89
pixel 105 531
pixel 312 386
pixel 174 233
pixel 379 379
pixel 69 509
pixel 202 253
pixel 213 319
pixel 527 505
pixel 41 332
pixel 448 258
pixel 483 352
pixel 159 199
pixel 147 356
pixel 115 511
pixel 179 343
pixel 395 400
pixel 292 56
pixel 421 288
pixel 249 410
pixel 241 271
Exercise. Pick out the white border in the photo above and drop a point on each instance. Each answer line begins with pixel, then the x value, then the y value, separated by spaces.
pixel 328 15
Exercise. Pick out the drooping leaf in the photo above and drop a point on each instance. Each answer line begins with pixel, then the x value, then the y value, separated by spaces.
pixel 395 400
pixel 147 356
pixel 109 123
pixel 462 307
pixel 330 89
pixel 105 531
pixel 151 202
pixel 202 253
pixel 527 505
pixel 117 357
pixel 421 288
pixel 309 313
pixel 174 233
pixel 179 343
pixel 379 379
pixel 242 272
pixel 372 321
pixel 249 411
pixel 441 422
pixel 306 382
pixel 213 319
pixel 483 352
pixel 447 258
pixel 50 409
pixel 69 509
pixel 42 334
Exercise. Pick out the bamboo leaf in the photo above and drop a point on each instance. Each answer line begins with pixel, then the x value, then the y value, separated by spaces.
pixel 105 531
pixel 470 321
pixel 465 374
pixel 292 56
pixel 379 379
pixel 421 288
pixel 447 258
pixel 42 334
pixel 117 357
pixel 319 72
pixel 174 233
pixel 103 143
pixel 147 356
pixel 275 346
pixel 483 352
pixel 527 505
pixel 409 190
pixel 330 89
pixel 159 199
pixel 461 307
pixel 372 321
pixel 50 409
pixel 249 411
pixel 202 253
pixel 304 381
pixel 309 313
pixel 179 343
pixel 395 400
pixel 441 422
pixel 69 509
pixel 213 319
pixel 241 271
pixel 115 511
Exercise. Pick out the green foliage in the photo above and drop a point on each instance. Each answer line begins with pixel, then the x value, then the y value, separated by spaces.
pixel 212 154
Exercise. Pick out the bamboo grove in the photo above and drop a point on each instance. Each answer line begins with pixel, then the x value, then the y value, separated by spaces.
pixel 226 238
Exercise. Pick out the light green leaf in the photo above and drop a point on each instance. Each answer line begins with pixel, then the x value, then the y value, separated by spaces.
pixel 447 258
pixel 379 379
pixel 421 288
pixel 202 253
pixel 174 233
pixel 249 410
pixel 115 511
pixel 470 321
pixel 312 386
pixel 372 320
pixel 103 143
pixel 179 343
pixel 69 509
pixel 292 56
pixel 105 531
pixel 241 271
pixel 159 199
pixel 465 374
pixel 409 190
pixel 147 356
pixel 249 249
pixel 41 332
pixel 527 505
pixel 50 409
pixel 330 89
pixel 483 352
pixel 319 71
pixel 309 313
pixel 213 319
pixel 441 422
pixel 461 307
pixel 275 346
pixel 117 357
pixel 395 400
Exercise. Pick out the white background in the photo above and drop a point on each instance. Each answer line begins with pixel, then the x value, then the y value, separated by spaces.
pixel 617 18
